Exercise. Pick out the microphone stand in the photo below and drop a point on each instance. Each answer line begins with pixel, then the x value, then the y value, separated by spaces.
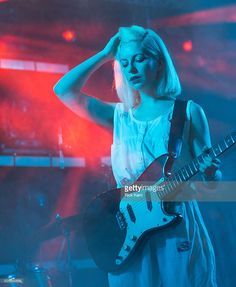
pixel 66 233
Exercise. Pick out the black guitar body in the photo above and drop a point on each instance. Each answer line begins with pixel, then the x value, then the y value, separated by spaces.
pixel 105 233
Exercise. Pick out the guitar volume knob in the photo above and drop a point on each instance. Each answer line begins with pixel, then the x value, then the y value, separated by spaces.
pixel 127 248
pixel 133 238
pixel 119 260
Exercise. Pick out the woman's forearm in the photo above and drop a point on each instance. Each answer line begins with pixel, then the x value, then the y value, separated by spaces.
pixel 75 79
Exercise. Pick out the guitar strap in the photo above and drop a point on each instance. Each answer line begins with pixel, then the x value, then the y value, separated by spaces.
pixel 176 130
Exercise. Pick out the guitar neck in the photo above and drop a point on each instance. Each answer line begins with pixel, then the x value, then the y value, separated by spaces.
pixel 192 168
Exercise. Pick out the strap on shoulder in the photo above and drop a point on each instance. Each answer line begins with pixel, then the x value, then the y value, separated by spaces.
pixel 177 126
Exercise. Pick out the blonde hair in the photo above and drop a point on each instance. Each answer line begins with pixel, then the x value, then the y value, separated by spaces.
pixel 152 44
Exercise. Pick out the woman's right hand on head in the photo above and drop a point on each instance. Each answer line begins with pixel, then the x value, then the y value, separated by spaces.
pixel 111 47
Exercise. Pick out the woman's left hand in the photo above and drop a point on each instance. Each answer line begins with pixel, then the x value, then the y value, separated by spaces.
pixel 210 166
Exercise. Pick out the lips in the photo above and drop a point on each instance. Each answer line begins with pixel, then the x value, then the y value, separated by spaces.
pixel 134 78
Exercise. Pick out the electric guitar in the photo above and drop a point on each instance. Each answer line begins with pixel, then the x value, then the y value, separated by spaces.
pixel 117 221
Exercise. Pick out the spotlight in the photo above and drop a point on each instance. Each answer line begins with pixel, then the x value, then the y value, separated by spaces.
pixel 187 46
pixel 69 35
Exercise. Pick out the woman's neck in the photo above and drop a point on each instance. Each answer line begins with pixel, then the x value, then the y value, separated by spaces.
pixel 149 98
pixel 151 106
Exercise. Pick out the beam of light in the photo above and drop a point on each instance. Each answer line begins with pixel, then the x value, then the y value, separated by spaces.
pixel 216 15
pixel 67 204
pixel 68 199
pixel 30 113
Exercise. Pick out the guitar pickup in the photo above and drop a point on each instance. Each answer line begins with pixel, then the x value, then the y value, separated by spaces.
pixel 121 220
pixel 148 200
pixel 131 213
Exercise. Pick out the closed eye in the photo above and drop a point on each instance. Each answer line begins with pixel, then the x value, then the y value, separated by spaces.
pixel 124 63
pixel 140 58
pixel 137 58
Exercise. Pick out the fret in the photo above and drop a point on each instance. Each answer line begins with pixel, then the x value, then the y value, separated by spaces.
pixel 200 159
pixel 186 172
pixel 218 146
pixel 193 167
pixel 177 182
pixel 176 179
pixel 174 183
pixel 210 153
pixel 156 193
pixel 229 140
pixel 223 145
pixel 160 194
pixel 233 140
pixel 181 176
pixel 181 173
pixel 189 167
pixel 218 149
pixel 226 144
pixel 214 153
pixel 177 175
pixel 195 164
pixel 166 190
pixel 170 185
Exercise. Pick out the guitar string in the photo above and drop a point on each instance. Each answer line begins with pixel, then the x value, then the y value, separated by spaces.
pixel 227 145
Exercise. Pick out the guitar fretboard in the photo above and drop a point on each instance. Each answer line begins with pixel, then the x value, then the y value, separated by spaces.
pixel 192 168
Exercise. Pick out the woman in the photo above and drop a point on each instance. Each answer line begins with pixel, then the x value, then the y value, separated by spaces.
pixel 147 85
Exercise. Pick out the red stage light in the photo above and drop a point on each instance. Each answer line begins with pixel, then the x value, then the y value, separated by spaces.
pixel 187 46
pixel 69 35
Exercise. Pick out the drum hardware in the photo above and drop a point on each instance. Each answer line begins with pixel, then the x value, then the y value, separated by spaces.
pixel 27 274
pixel 65 231
pixel 60 227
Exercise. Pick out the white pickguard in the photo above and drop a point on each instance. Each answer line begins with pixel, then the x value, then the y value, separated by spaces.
pixel 145 218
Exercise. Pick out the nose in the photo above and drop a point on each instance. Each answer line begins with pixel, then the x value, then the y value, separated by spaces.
pixel 132 69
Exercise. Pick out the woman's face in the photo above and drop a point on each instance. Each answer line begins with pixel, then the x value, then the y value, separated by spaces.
pixel 139 69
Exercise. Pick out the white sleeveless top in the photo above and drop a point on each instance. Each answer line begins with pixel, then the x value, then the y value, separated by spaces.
pixel 137 143
pixel 180 256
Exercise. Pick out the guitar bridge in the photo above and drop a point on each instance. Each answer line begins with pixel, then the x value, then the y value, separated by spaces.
pixel 121 220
